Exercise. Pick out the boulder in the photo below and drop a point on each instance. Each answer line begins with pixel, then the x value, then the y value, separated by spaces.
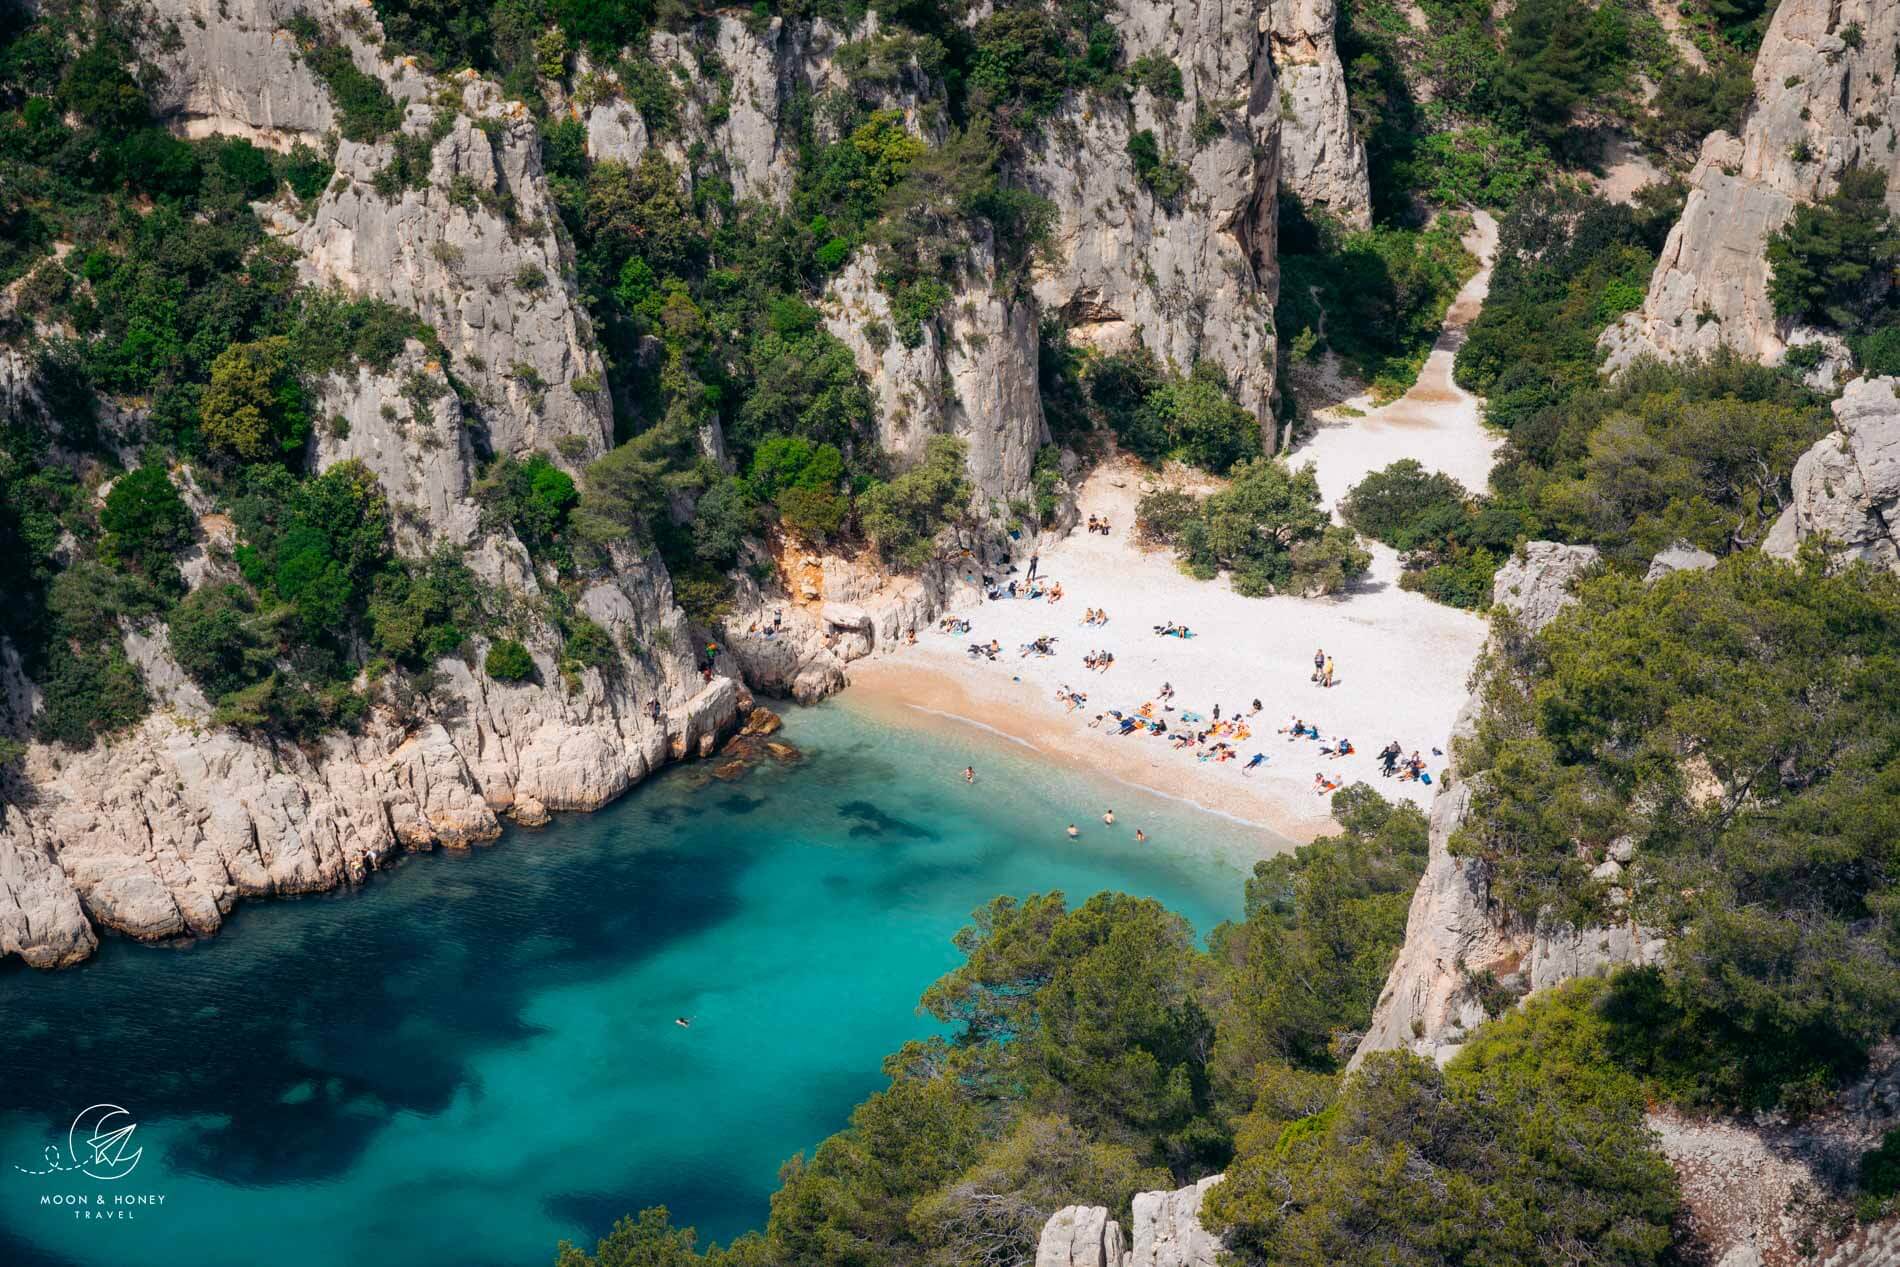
pixel 1680 557
pixel 1846 489
pixel 1536 583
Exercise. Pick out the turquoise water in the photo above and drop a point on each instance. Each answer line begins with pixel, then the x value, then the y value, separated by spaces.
pixel 474 1055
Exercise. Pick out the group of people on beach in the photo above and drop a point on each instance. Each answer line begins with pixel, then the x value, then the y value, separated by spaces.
pixel 1407 769
pixel 1212 738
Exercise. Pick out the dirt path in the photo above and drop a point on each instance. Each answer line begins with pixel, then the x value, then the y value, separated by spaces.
pixel 1437 422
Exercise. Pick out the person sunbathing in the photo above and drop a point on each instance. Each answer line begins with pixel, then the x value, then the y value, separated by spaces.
pixel 1055 594
pixel 1259 759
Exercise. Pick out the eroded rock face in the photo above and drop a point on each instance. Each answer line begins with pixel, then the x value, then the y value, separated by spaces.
pixel 1322 160
pixel 1167 1233
pixel 1194 278
pixel 1846 489
pixel 159 832
pixel 1536 584
pixel 971 375
pixel 474 253
pixel 1824 101
pixel 1081 1236
pixel 407 426
pixel 1453 931
pixel 230 69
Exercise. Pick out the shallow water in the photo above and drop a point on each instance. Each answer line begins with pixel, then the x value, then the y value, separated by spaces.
pixel 474 1055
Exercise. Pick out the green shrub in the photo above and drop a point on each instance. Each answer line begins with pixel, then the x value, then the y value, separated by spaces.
pixel 217 638
pixel 1266 529
pixel 1833 262
pixel 904 515
pixel 85 694
pixel 365 110
pixel 1404 504
pixel 508 661
pixel 1166 179
pixel 145 520
pixel 1159 74
pixel 254 409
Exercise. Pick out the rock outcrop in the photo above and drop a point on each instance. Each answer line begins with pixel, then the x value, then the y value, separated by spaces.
pixel 1846 489
pixel 1167 1233
pixel 972 374
pixel 1322 159
pixel 1453 931
pixel 158 833
pixel 1535 584
pixel 1824 101
pixel 1192 277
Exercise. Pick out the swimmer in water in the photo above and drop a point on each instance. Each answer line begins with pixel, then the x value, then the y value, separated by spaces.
pixel 1141 837
pixel 1073 833
pixel 969 774
pixel 684 1022
pixel 1109 818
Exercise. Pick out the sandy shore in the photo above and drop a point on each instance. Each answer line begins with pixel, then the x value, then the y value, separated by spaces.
pixel 1401 660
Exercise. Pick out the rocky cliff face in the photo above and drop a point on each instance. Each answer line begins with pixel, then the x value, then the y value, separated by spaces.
pixel 159 832
pixel 1452 929
pixel 1824 101
pixel 1847 487
pixel 1167 1233
pixel 1322 160
pixel 1193 277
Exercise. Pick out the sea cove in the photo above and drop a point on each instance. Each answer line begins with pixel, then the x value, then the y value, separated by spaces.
pixel 475 1054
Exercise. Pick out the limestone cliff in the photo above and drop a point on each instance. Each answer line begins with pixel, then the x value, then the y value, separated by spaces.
pixel 1846 489
pixel 1824 100
pixel 1322 160
pixel 1453 929
pixel 1191 277
pixel 1167 1232
pixel 158 832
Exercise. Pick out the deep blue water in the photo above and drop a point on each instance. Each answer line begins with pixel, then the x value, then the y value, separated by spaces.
pixel 474 1055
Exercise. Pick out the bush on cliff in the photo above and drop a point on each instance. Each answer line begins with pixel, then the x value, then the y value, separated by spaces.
pixel 1530 1148
pixel 1734 730
pixel 508 661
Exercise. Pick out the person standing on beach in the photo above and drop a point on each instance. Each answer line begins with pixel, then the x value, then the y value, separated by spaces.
pixel 1326 676
pixel 1034 559
pixel 1319 664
